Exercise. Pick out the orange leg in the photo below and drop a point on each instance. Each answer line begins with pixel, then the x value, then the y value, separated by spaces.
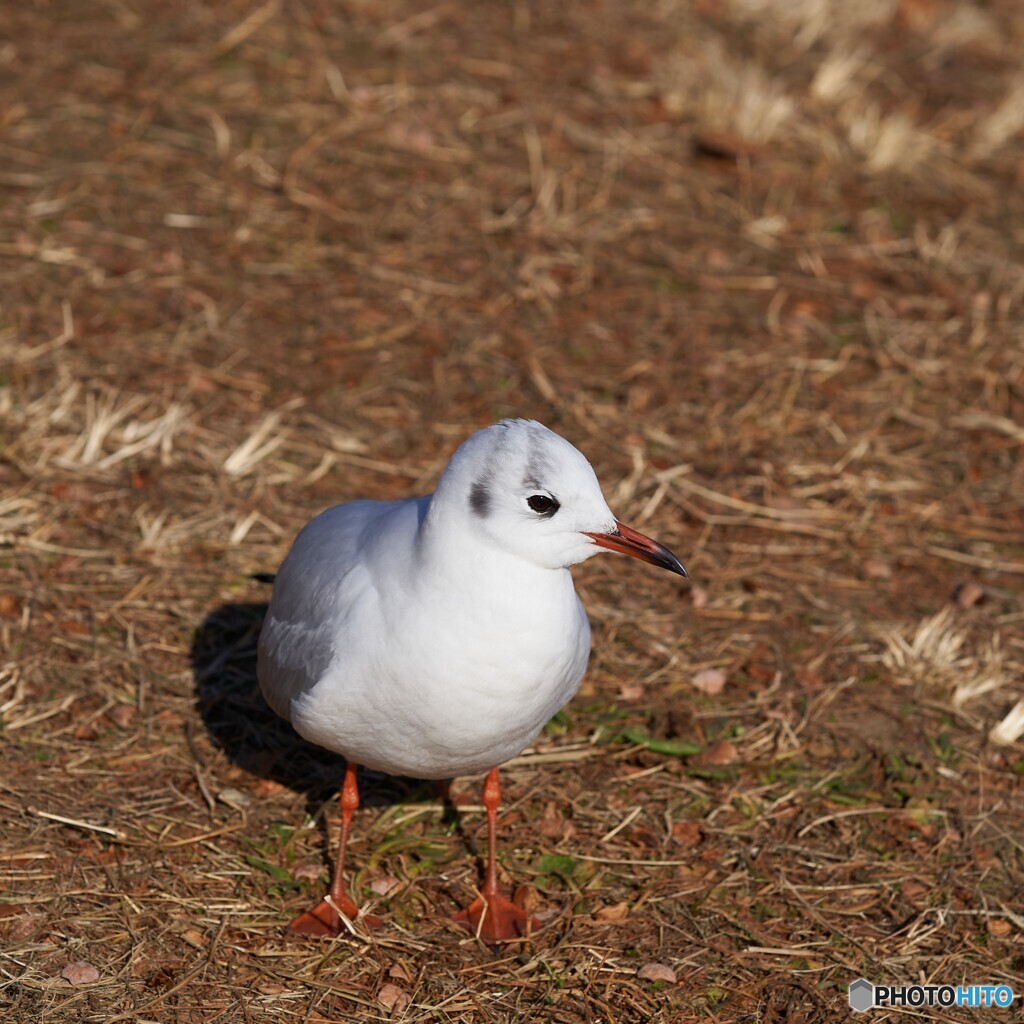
pixel 492 915
pixel 323 919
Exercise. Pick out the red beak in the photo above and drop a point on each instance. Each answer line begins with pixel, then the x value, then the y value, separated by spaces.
pixel 631 542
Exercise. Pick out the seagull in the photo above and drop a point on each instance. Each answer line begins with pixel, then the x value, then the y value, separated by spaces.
pixel 435 636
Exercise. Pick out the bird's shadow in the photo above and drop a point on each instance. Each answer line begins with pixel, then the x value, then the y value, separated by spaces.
pixel 253 737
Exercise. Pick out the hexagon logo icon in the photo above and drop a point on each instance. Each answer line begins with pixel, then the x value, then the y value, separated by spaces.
pixel 862 995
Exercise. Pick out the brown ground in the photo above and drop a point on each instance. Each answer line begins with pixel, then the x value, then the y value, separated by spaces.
pixel 762 261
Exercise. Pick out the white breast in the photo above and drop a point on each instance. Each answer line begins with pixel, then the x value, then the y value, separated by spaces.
pixel 450 682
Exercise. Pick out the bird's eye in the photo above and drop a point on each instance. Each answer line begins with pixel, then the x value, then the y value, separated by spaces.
pixel 542 504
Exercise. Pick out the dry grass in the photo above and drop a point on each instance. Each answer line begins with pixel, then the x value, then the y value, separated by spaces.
pixel 761 261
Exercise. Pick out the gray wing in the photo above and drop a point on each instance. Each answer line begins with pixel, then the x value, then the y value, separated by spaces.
pixel 318 584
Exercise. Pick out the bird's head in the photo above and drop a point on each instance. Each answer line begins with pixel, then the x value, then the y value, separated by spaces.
pixel 530 492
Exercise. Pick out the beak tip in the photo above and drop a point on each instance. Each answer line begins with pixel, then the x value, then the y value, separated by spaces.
pixel 674 565
pixel 628 541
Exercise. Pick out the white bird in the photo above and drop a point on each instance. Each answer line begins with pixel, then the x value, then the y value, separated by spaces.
pixel 435 636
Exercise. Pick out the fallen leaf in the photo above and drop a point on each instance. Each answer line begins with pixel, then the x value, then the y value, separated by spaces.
pixel 393 997
pixel 414 138
pixel 808 677
pixel 919 15
pixel 693 874
pixel 720 752
pixel 877 569
pixel 807 308
pixel 385 884
pixel 998 927
pixel 200 383
pixel 310 871
pixel 22 927
pixel 10 909
pixel 525 897
pixel 10 606
pixel 399 972
pixel 640 835
pixel 234 798
pixel 657 972
pixel 709 681
pixel 967 595
pixel 267 787
pixel 687 833
pixel 984 858
pixel 613 913
pixel 913 889
pixel 80 973
pixel 555 827
pixel 863 289
pixel 122 715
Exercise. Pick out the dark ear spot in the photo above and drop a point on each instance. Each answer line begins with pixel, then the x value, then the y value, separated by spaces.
pixel 480 499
